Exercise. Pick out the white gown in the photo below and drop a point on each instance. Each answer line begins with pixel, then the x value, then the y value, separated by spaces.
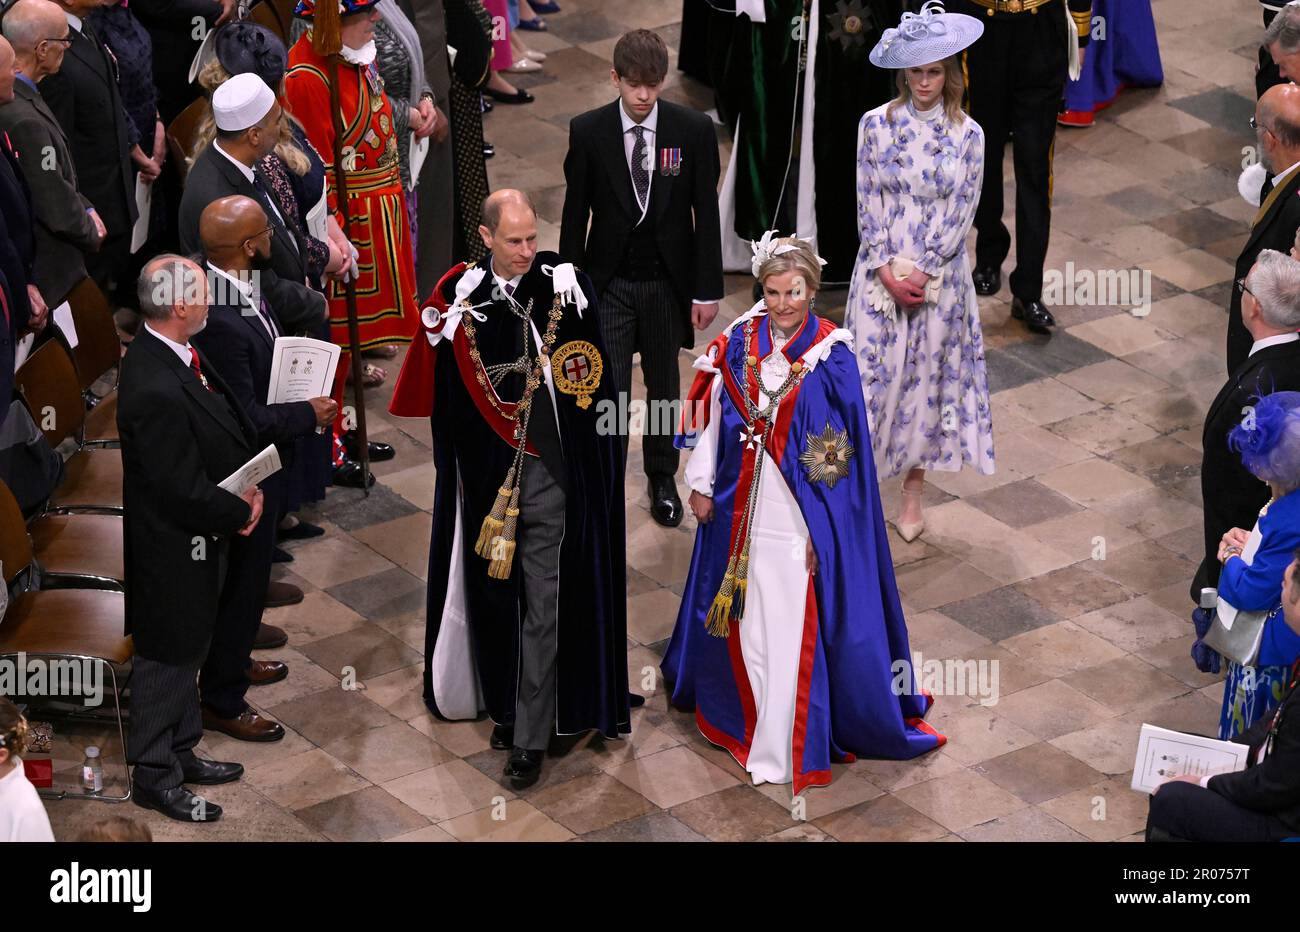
pixel 771 628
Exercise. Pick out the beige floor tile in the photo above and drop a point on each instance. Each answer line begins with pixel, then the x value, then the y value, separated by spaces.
pixel 988 545
pixel 1062 648
pixel 590 803
pixel 1092 482
pixel 515 820
pixel 893 775
pixel 960 800
pixel 1108 746
pixel 1038 773
pixel 1102 432
pixel 1121 334
pixel 447 791
pixel 1106 811
pixel 428 833
pixel 886 818
pixel 651 616
pixel 415 484
pixel 1052 709
pixel 934 635
pixel 461 738
pixel 316 616
pixel 1134 625
pixel 1026 825
pixel 1191 269
pixel 941 580
pixel 329 561
pixel 1046 401
pixel 404 541
pixel 1112 381
pixel 672 777
pixel 304 779
pixel 386 753
pixel 846 789
pixel 1125 684
pixel 976 733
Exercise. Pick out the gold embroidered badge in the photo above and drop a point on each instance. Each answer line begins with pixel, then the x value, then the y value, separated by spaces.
pixel 577 368
pixel 826 456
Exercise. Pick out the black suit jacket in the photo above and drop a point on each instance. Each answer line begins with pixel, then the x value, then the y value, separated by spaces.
pixel 213 177
pixel 64 232
pixel 1232 496
pixel 1275 230
pixel 15 266
pixel 242 350
pixel 684 206
pixel 178 441
pixel 1272 785
pixel 83 95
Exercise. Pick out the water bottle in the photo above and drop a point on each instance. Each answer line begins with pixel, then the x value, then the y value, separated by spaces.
pixel 92 772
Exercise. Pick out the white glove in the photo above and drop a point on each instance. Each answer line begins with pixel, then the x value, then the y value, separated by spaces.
pixel 565 282
pixel 353 269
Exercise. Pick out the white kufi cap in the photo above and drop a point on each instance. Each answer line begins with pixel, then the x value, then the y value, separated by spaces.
pixel 241 102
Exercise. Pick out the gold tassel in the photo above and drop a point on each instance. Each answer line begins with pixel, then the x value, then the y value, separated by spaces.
pixel 503 546
pixel 716 622
pixel 495 520
pixel 742 584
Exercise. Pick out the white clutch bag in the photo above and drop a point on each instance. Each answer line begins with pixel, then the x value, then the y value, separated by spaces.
pixel 900 267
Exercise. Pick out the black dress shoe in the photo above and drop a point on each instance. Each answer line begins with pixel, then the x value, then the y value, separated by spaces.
pixel 350 474
pixel 485 105
pixel 489 150
pixel 520 96
pixel 503 737
pixel 665 505
pixel 634 701
pixel 1035 315
pixel 211 772
pixel 379 452
pixel 280 556
pixel 177 803
pixel 300 531
pixel 988 280
pixel 524 768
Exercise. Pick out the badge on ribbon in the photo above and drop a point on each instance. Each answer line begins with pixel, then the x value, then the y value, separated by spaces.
pixel 577 368
pixel 670 161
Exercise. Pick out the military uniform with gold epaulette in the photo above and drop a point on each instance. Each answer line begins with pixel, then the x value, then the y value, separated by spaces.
pixel 1016 76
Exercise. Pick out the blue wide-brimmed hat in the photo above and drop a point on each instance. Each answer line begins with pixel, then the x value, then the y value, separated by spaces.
pixel 926 37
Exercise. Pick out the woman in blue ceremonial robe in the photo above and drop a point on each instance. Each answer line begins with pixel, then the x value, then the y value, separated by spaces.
pixel 1255 563
pixel 790 644
pixel 1122 53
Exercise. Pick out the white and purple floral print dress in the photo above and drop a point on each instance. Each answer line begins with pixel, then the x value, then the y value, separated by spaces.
pixel 919 177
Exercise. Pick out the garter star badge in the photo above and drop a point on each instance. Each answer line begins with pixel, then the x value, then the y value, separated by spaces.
pixel 577 368
pixel 826 456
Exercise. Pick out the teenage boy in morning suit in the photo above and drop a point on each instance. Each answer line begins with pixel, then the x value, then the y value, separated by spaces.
pixel 645 171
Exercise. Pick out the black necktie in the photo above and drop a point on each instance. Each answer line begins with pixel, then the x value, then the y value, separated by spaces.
pixel 1268 186
pixel 272 210
pixel 640 173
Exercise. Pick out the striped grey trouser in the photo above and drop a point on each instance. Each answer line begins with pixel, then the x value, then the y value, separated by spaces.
pixel 645 317
pixel 541 529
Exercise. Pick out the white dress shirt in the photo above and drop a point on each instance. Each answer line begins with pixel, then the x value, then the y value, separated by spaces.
pixel 245 291
pixel 1277 179
pixel 533 350
pixel 1273 341
pixel 182 350
pixel 250 176
pixel 73 21
pixel 651 126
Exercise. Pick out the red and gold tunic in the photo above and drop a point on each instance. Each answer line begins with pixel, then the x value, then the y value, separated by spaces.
pixel 387 307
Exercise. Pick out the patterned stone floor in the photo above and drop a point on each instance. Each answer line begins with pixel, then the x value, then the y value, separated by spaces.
pixel 1097 435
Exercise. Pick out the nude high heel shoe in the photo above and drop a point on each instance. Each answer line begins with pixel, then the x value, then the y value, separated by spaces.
pixel 911 530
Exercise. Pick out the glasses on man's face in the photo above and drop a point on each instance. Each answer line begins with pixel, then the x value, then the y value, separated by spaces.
pixel 66 43
pixel 1242 288
pixel 266 233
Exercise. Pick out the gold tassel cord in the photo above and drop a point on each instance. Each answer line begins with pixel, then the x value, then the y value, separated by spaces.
pixel 742 584
pixel 503 546
pixel 495 519
pixel 717 621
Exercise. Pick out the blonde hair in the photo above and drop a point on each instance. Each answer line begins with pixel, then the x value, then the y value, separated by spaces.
pixel 13 729
pixel 213 75
pixel 954 88
pixel 800 259
pixel 116 828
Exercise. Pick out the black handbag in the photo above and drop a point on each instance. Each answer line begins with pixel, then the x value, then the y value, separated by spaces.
pixel 28 464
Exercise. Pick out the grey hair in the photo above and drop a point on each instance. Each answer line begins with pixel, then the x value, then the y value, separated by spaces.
pixel 1284 30
pixel 1275 283
pixel 166 281
pixel 25 24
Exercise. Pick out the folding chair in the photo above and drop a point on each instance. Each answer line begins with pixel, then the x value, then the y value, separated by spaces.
pixel 92 477
pixel 83 625
pixel 97 353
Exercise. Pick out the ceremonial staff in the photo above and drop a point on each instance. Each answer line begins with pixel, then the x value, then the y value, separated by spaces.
pixel 327 40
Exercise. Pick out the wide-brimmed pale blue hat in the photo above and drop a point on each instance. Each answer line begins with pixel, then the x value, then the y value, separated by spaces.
pixel 926 37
